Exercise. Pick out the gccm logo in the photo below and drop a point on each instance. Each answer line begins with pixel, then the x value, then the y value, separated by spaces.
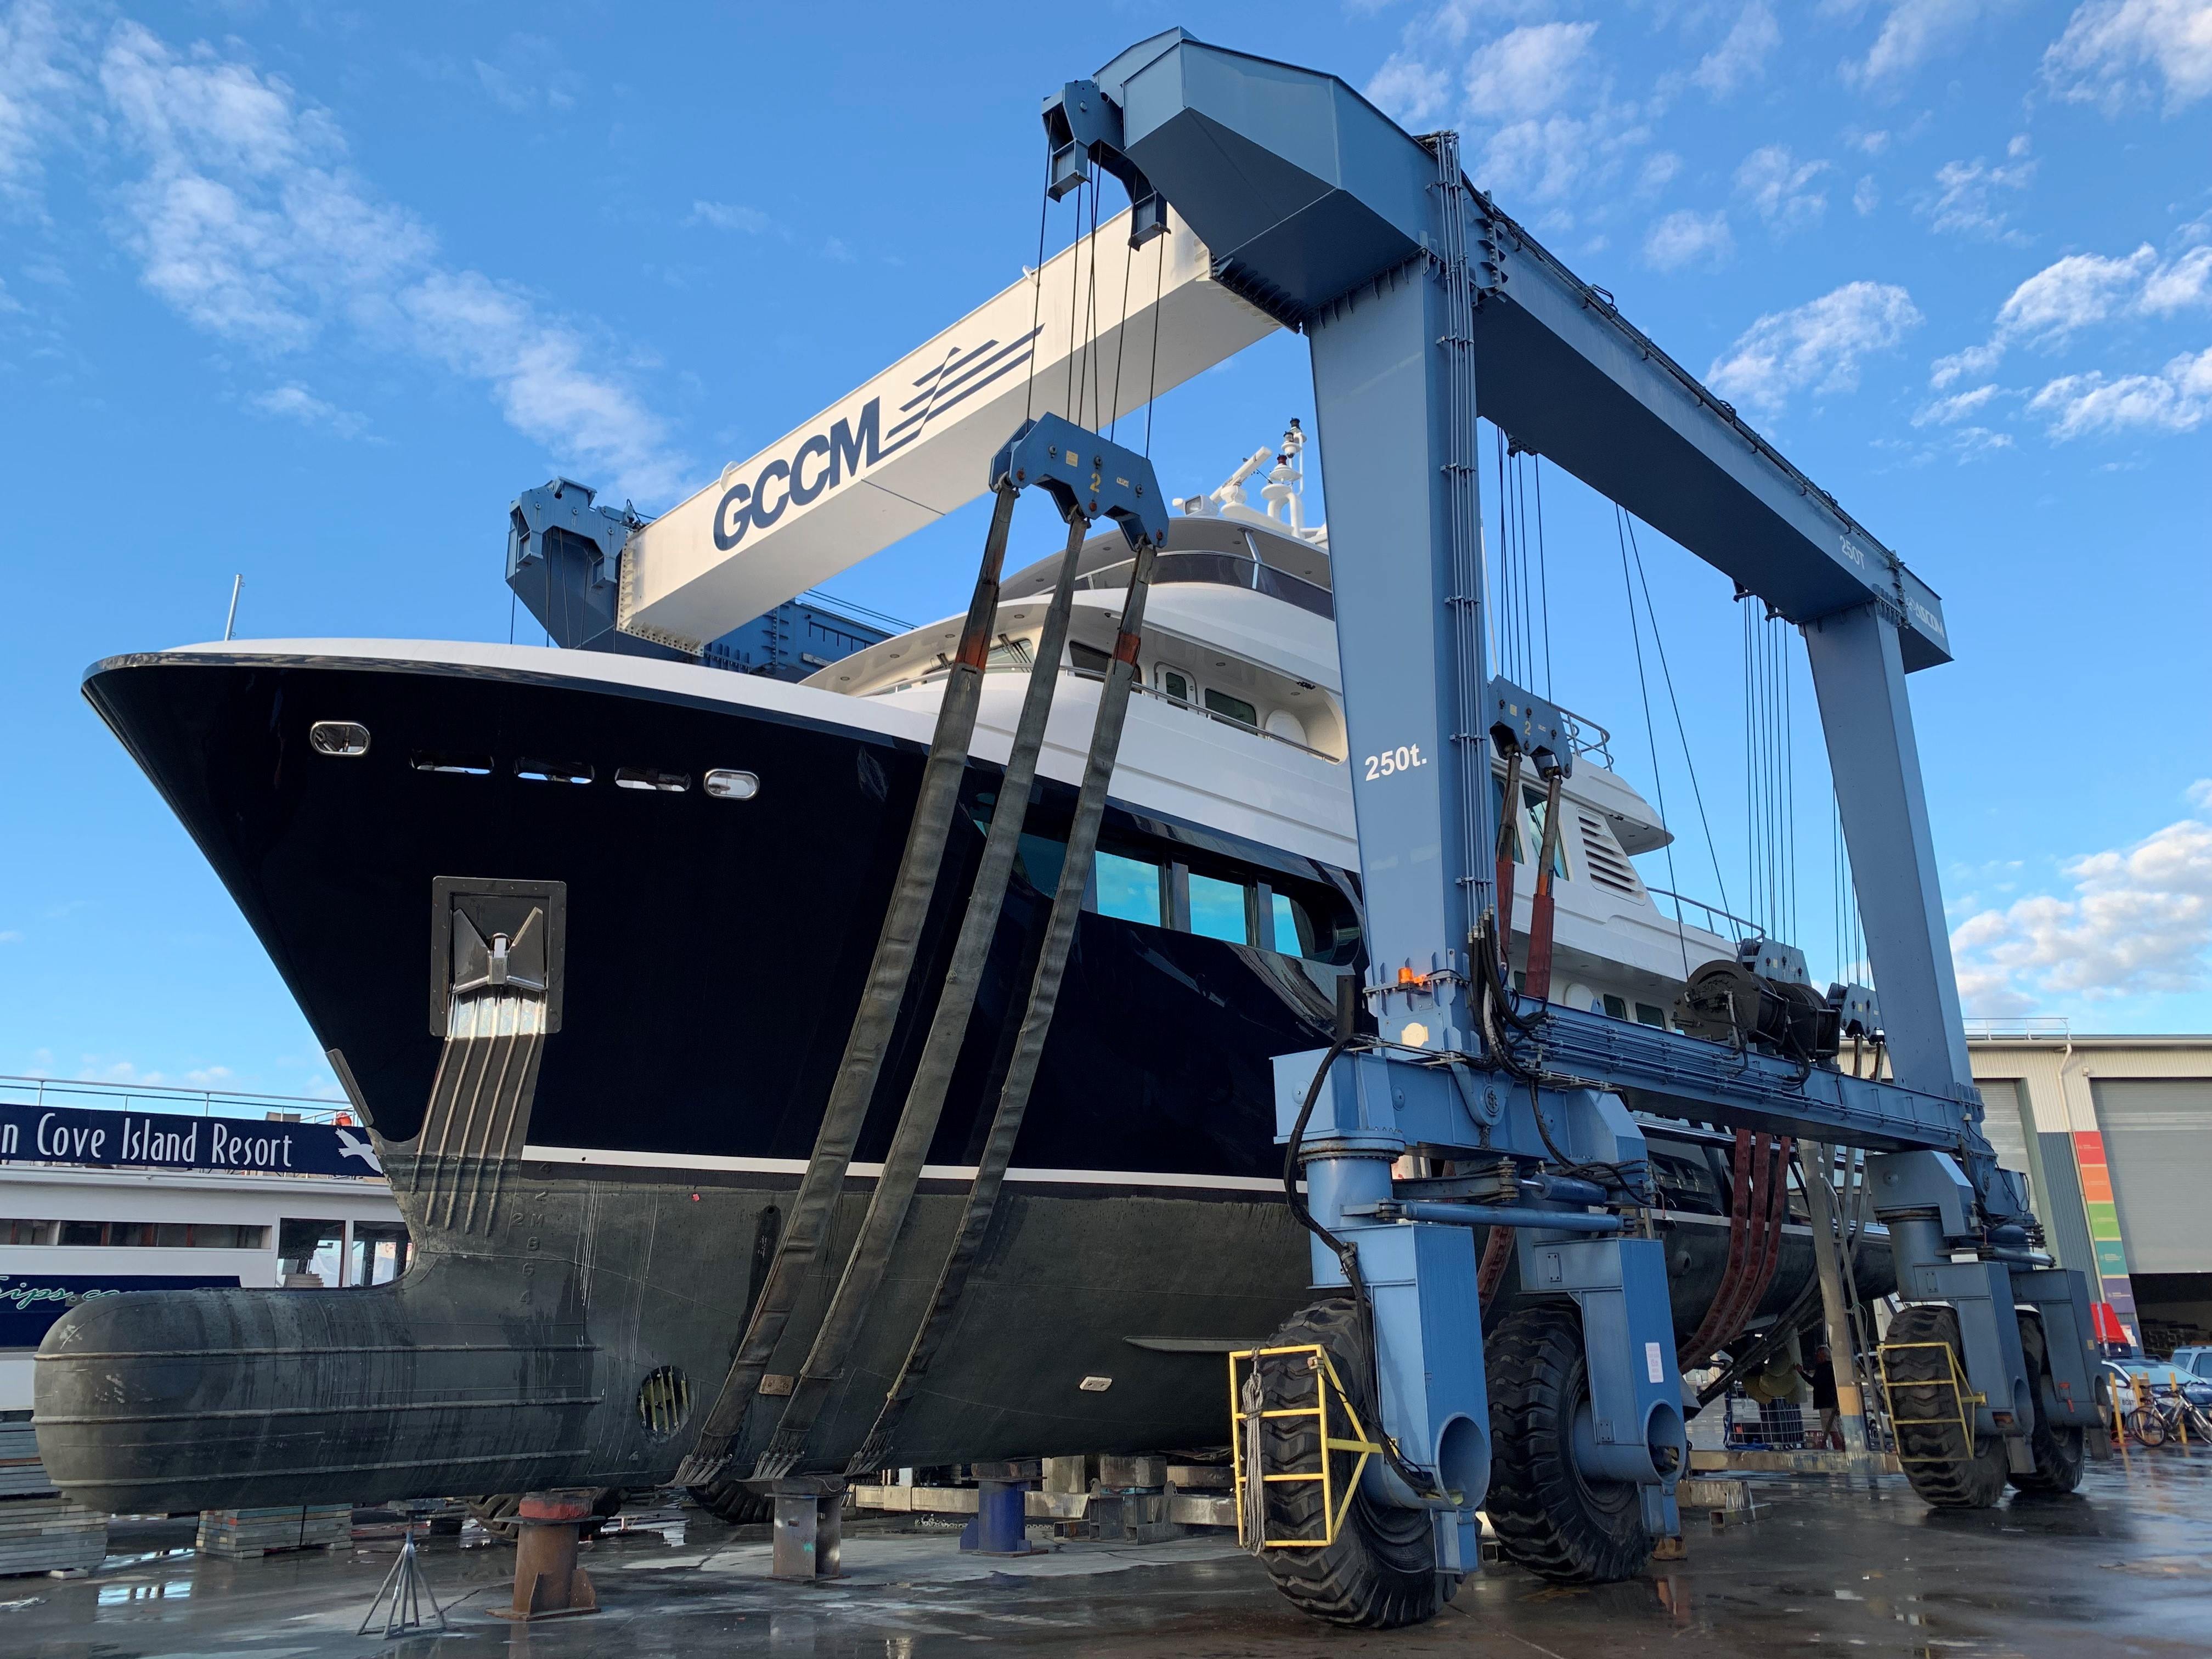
pixel 823 462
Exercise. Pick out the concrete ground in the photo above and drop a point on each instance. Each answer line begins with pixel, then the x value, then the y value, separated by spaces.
pixel 2122 1568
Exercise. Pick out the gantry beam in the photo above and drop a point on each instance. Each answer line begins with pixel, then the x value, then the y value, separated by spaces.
pixel 1305 192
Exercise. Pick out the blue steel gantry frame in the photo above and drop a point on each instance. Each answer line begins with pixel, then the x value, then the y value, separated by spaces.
pixel 1425 307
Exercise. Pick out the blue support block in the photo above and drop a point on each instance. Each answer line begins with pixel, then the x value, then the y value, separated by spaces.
pixel 1001 1509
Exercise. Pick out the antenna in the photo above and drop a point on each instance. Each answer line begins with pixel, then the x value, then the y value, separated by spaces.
pixel 230 622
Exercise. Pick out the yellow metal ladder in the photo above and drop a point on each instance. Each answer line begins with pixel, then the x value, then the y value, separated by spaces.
pixel 1959 1412
pixel 1248 1410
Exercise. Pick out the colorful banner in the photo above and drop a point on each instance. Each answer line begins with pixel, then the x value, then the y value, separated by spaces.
pixel 2114 1285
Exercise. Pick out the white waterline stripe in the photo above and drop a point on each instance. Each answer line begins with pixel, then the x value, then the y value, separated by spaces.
pixel 797 1166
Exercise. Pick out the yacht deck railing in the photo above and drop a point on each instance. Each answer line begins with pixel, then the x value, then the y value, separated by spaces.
pixel 84 1093
pixel 1737 925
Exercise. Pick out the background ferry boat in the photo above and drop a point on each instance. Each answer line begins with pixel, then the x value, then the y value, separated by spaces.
pixel 106 1189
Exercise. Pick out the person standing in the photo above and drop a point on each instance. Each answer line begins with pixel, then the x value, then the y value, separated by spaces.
pixel 1822 1377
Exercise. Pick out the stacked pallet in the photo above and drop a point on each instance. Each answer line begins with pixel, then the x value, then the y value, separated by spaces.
pixel 41 1531
pixel 50 1534
pixel 21 1475
pixel 244 1534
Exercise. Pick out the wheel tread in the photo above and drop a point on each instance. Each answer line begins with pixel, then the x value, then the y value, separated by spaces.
pixel 1381 1572
pixel 1538 1504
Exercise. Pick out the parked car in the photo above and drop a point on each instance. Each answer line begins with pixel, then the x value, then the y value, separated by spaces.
pixel 2196 1364
pixel 2179 1372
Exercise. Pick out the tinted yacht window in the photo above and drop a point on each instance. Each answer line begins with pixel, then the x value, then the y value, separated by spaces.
pixel 1234 709
pixel 1217 909
pixel 1129 889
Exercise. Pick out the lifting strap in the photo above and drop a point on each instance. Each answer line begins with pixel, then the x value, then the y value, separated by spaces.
pixel 1497 1252
pixel 1542 910
pixel 1758 1206
pixel 1036 1024
pixel 1509 816
pixel 881 1000
pixel 918 1118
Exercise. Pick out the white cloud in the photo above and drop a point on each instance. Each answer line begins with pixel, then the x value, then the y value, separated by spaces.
pixel 730 215
pixel 1966 197
pixel 1780 188
pixel 248 223
pixel 35 83
pixel 2178 399
pixel 1535 101
pixel 1527 70
pixel 294 402
pixel 2080 290
pixel 1914 32
pixel 480 328
pixel 1741 57
pixel 526 72
pixel 2187 282
pixel 1948 411
pixel 2138 921
pixel 1415 85
pixel 1684 238
pixel 1660 170
pixel 1817 347
pixel 1866 195
pixel 1545 160
pixel 2111 49
pixel 1411 88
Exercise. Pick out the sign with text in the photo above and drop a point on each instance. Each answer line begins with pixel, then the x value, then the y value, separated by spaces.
pixel 31 1302
pixel 163 1140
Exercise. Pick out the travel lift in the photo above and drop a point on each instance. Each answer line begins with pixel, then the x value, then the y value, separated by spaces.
pixel 1372 1427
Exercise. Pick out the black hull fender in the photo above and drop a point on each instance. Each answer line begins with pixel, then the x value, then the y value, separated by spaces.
pixel 166 1400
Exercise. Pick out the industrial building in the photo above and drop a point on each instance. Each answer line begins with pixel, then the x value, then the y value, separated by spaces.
pixel 2114 1133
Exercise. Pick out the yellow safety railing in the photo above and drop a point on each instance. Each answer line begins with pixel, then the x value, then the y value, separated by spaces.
pixel 1327 1385
pixel 1962 1398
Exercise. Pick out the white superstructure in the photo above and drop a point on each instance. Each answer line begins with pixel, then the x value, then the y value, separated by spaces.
pixel 1241 725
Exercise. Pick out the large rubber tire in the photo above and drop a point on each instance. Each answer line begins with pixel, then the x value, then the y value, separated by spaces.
pixel 1381 1572
pixel 1944 1471
pixel 729 1500
pixel 2059 1453
pixel 1549 1515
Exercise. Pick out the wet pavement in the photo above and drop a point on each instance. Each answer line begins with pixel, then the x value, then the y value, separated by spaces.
pixel 2122 1568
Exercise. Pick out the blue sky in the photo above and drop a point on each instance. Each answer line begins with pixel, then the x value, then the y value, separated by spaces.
pixel 309 293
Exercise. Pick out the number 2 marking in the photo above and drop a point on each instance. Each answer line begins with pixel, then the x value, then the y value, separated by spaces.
pixel 1404 758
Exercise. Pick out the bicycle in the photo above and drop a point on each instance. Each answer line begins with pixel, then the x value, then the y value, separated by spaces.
pixel 2182 1416
pixel 2152 1417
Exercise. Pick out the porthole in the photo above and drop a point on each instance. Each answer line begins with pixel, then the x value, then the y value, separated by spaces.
pixel 724 784
pixel 549 771
pixel 646 777
pixel 474 766
pixel 663 1401
pixel 339 738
